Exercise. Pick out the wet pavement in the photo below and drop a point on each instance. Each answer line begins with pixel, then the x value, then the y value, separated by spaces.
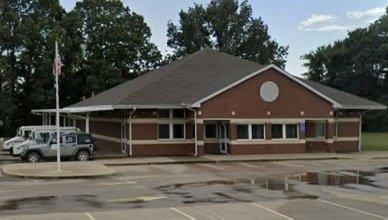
pixel 277 186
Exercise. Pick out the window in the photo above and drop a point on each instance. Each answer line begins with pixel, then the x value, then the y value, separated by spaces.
pixel 178 131
pixel 42 137
pixel 171 131
pixel 257 131
pixel 164 113
pixel 178 113
pixel 277 131
pixel 210 130
pixel 320 129
pixel 242 132
pixel 26 134
pixel 70 139
pixel 291 131
pixel 163 131
pixel 84 139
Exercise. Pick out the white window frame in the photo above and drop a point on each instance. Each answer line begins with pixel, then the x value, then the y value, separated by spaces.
pixel 204 131
pixel 284 133
pixel 336 129
pixel 171 131
pixel 324 130
pixel 250 132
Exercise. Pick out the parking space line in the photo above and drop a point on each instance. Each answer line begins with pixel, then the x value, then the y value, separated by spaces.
pixel 353 209
pixel 249 165
pixel 272 211
pixel 211 166
pixel 89 216
pixel 182 213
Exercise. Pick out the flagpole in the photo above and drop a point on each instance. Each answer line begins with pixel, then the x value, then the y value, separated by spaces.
pixel 57 107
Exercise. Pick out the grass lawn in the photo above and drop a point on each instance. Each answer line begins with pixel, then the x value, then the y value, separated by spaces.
pixel 374 141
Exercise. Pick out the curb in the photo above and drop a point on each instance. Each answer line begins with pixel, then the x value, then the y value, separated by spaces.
pixel 14 174
pixel 221 161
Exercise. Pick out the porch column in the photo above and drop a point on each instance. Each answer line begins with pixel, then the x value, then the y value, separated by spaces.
pixel 130 135
pixel 87 123
pixel 330 129
pixel 49 119
pixel 74 121
pixel 64 121
pixel 43 119
pixel 359 132
pixel 195 134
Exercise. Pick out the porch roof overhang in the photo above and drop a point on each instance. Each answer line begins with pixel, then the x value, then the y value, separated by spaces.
pixel 97 108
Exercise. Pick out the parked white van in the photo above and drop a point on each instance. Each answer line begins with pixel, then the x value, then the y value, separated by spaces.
pixel 22 134
pixel 39 136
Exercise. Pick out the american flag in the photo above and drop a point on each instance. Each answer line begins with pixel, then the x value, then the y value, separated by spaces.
pixel 57 62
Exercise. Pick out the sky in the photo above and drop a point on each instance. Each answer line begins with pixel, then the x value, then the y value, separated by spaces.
pixel 303 25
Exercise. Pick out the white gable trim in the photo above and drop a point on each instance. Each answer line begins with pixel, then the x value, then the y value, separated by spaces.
pixel 335 104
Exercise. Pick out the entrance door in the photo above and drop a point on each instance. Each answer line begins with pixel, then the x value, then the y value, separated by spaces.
pixel 124 141
pixel 223 137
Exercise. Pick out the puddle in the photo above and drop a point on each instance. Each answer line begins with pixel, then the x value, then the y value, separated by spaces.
pixel 238 190
pixel 48 202
pixel 342 178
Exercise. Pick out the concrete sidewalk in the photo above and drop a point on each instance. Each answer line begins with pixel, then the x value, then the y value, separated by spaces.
pixel 128 161
pixel 49 170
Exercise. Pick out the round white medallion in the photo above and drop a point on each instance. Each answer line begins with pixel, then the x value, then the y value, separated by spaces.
pixel 269 91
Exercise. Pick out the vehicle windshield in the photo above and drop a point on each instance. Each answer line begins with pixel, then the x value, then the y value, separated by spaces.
pixel 18 132
pixel 27 134
pixel 32 135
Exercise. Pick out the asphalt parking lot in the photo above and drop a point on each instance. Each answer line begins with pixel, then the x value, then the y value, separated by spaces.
pixel 325 189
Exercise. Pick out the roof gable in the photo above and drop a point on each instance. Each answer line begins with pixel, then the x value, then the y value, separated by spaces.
pixel 200 76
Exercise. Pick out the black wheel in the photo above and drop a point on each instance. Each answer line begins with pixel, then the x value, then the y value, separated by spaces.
pixel 82 155
pixel 33 157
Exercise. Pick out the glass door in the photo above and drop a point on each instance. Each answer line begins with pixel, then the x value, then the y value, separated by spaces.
pixel 223 137
pixel 124 141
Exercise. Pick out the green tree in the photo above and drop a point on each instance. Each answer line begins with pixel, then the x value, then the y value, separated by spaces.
pixel 357 64
pixel 116 44
pixel 227 26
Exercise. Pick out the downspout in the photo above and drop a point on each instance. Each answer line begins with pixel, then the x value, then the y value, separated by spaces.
pixel 130 132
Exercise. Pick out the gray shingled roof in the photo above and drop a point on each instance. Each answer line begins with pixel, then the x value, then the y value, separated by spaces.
pixel 184 81
pixel 196 77
pixel 346 100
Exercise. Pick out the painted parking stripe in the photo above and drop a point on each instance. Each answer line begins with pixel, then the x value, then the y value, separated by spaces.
pixel 215 167
pixel 353 209
pixel 272 211
pixel 249 165
pixel 89 216
pixel 182 213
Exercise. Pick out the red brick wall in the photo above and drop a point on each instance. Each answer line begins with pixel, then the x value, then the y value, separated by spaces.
pixel 267 149
pixel 244 99
pixel 144 131
pixel 163 150
pixel 348 129
pixel 346 146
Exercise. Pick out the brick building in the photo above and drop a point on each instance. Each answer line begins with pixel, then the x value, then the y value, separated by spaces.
pixel 213 103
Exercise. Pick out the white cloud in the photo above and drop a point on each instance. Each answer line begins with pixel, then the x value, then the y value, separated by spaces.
pixel 316 19
pixel 368 13
pixel 335 28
